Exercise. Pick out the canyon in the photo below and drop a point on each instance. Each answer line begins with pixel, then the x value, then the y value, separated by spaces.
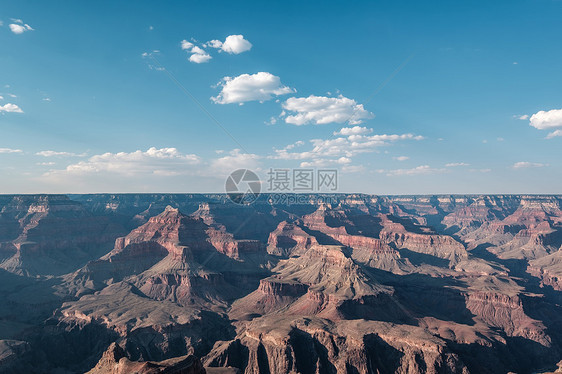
pixel 344 283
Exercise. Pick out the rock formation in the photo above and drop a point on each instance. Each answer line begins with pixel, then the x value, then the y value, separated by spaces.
pixel 350 283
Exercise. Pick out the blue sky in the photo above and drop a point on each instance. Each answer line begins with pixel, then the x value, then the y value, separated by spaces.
pixel 401 97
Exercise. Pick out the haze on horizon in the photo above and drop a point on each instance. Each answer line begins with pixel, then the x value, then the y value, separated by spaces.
pixel 399 97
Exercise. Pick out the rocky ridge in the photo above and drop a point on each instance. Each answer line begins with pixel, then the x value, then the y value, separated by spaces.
pixel 360 284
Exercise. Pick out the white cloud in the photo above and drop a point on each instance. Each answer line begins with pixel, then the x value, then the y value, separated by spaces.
pixel 18 27
pixel 401 158
pixel 456 164
pixel 355 130
pixel 233 44
pixel 261 86
pixel 198 50
pixel 527 165
pixel 1 97
pixel 320 163
pixel 164 161
pixel 55 153
pixel 198 54
pixel 200 58
pixel 298 143
pixel 544 120
pixel 271 121
pixel 523 117
pixel 214 44
pixel 321 110
pixel 554 134
pixel 420 170
pixel 46 163
pixel 10 150
pixel 352 168
pixel 236 159
pixel 10 108
pixel 185 45
pixel 343 146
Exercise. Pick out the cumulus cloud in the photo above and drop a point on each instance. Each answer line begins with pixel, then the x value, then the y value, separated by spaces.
pixel 343 146
pixel 339 150
pixel 200 58
pixel 236 44
pixel 186 46
pixel 355 130
pixel 198 54
pixel 261 86
pixel 18 27
pixel 420 170
pixel 214 44
pixel 527 165
pixel 10 150
pixel 163 161
pixel 10 108
pixel 321 110
pixel 547 120
pixel 233 44
pixel 298 143
pixel 153 169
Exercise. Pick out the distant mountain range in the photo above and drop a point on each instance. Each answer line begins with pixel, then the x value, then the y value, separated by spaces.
pixel 343 283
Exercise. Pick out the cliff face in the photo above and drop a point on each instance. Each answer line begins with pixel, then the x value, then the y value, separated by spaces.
pixel 45 235
pixel 548 269
pixel 115 361
pixel 310 345
pixel 507 313
pixel 382 235
pixel 289 239
pixel 527 230
pixel 363 284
